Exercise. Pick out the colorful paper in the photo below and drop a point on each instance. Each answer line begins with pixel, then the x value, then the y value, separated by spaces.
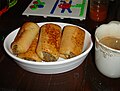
pixel 75 9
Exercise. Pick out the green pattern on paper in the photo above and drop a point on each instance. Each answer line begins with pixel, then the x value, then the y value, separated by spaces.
pixel 81 6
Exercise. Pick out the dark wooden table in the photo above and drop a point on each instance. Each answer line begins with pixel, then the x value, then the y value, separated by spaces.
pixel 83 78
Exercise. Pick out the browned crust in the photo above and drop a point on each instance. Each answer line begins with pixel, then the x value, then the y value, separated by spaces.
pixel 72 41
pixel 49 42
pixel 24 37
pixel 31 54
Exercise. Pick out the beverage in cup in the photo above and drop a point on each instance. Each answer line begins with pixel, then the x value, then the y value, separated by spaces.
pixel 107 49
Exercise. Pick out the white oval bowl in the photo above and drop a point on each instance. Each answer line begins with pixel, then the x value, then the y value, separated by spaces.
pixel 60 66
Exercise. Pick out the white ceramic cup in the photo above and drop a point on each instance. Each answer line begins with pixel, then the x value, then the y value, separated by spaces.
pixel 107 60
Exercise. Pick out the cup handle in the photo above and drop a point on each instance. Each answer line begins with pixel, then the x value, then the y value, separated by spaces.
pixel 11 4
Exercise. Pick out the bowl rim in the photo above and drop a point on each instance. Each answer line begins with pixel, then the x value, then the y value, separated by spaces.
pixel 48 63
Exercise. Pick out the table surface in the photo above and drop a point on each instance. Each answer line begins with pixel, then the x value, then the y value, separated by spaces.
pixel 86 77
